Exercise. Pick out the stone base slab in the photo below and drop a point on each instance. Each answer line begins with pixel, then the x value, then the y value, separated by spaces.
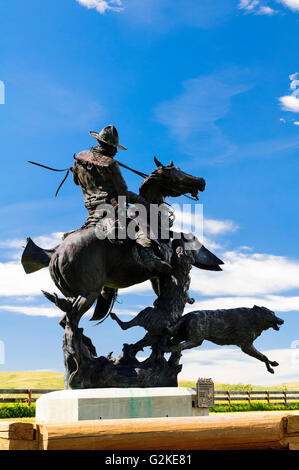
pixel 117 403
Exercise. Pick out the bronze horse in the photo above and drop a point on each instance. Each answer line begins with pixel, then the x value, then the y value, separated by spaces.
pixel 82 265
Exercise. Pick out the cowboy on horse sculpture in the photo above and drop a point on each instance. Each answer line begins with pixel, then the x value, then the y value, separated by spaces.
pixel 94 261
pixel 88 269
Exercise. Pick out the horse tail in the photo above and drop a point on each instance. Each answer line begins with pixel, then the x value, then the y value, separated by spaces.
pixel 35 258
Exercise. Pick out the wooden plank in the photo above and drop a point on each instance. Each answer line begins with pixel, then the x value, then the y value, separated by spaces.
pixel 292 424
pixel 17 436
pixel 293 443
pixel 213 432
pixel 259 431
pixel 10 444
pixel 16 430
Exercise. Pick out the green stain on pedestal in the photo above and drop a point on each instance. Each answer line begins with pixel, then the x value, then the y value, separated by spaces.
pixel 138 403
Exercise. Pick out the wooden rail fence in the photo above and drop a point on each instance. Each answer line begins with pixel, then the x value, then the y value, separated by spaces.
pixel 25 395
pixel 222 398
pixel 275 397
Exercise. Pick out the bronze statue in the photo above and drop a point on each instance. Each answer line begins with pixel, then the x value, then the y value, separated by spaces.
pixel 235 326
pixel 93 262
pixel 85 268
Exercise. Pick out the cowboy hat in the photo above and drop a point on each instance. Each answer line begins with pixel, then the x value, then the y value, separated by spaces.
pixel 109 136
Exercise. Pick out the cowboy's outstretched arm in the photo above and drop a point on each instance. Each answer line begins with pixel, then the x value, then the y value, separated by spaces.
pixel 122 188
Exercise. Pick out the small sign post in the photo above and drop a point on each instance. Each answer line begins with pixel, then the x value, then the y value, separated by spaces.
pixel 204 393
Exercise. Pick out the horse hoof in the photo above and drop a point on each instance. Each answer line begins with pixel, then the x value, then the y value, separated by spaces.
pixel 274 364
pixel 270 370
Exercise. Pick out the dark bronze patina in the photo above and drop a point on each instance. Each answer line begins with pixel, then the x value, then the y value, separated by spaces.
pixel 89 270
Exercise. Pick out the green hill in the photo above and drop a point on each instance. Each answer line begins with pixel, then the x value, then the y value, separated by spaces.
pixel 31 379
pixel 54 380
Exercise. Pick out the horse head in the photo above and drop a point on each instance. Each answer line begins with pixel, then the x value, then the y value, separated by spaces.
pixel 171 181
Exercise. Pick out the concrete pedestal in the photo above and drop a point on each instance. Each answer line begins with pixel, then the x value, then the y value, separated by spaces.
pixel 117 403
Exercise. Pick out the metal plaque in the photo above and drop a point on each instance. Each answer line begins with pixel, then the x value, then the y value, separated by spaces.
pixel 205 393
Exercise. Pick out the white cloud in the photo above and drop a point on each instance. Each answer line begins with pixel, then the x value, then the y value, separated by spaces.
pixel 193 220
pixel 256 7
pixel 49 241
pixel 164 15
pixel 273 302
pixel 12 249
pixel 265 10
pixel 217 227
pixel 248 4
pixel 289 103
pixel 192 117
pixel 292 4
pixel 296 123
pixel 247 279
pixel 101 6
pixel 54 312
pixel 45 241
pixel 157 11
pixel 233 366
pixel 293 77
pixel 250 274
pixel 142 288
pixel 15 282
pixel 127 312
pixel 33 311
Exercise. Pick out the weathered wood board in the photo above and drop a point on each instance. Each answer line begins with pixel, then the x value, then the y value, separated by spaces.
pixel 250 431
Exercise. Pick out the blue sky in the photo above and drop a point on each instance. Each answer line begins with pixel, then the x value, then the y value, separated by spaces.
pixel 208 84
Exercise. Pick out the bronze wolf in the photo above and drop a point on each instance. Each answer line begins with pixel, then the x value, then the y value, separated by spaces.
pixel 238 326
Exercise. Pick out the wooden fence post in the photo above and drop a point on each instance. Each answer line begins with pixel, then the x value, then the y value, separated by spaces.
pixel 29 397
pixel 249 397
pixel 285 398
pixel 268 397
pixel 228 397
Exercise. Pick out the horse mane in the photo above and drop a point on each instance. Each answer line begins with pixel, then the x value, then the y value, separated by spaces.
pixel 151 184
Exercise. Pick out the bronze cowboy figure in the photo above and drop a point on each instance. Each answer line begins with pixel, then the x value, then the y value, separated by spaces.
pixel 99 176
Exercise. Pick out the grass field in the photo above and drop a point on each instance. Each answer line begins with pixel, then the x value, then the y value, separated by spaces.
pixel 31 379
pixel 54 380
pixel 289 386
